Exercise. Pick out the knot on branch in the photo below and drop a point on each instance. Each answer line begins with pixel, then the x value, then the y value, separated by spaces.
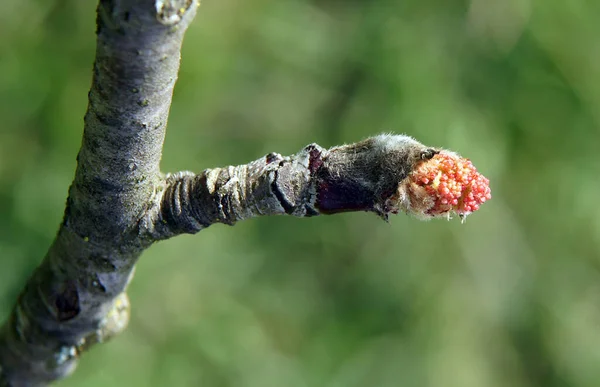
pixel 170 12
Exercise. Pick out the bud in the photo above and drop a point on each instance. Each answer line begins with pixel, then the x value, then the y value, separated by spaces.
pixel 442 185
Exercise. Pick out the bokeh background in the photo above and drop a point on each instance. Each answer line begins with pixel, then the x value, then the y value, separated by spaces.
pixel 510 298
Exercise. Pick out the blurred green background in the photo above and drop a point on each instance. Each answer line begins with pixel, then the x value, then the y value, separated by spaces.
pixel 510 298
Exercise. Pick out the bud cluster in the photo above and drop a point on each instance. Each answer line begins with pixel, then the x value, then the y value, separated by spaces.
pixel 444 184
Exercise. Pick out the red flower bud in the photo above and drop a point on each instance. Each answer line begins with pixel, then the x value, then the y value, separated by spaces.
pixel 444 184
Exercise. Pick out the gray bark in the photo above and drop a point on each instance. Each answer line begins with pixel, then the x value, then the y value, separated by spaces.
pixel 120 203
pixel 76 297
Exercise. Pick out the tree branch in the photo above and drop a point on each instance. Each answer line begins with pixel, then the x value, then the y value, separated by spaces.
pixel 76 297
pixel 358 177
pixel 120 203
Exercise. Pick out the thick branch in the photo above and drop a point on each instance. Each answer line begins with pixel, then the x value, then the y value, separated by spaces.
pixel 76 297
pixel 358 177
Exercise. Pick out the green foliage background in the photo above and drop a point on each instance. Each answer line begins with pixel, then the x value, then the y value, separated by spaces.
pixel 511 298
